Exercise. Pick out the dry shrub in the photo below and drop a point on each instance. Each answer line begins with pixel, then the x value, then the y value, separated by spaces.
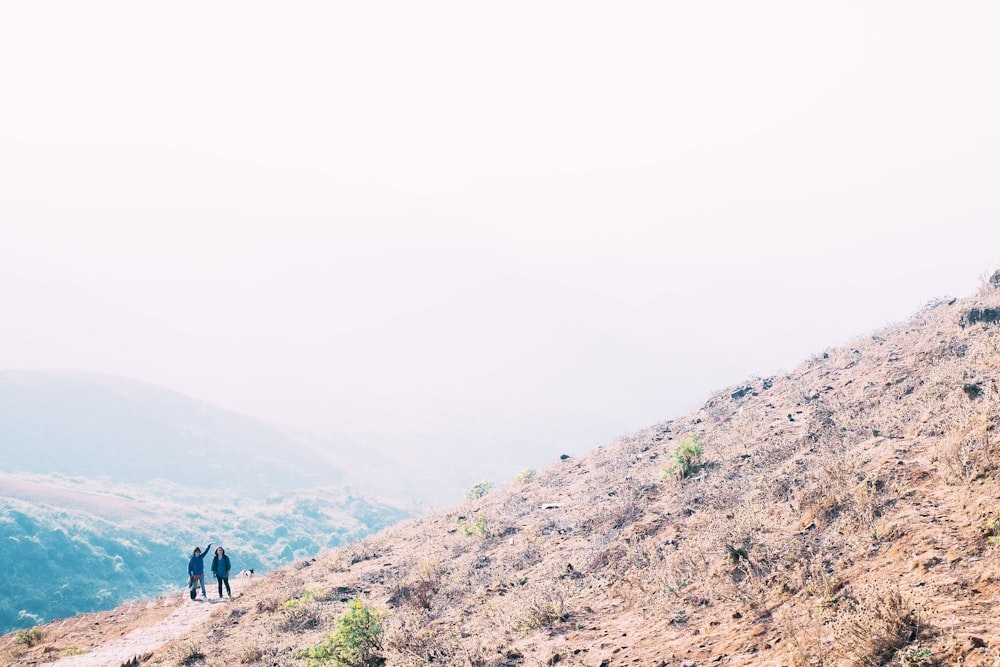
pixel 416 639
pixel 184 652
pixel 872 626
pixel 969 452
pixel 421 587
pixel 301 618
pixel 821 583
pixel 810 634
pixel 545 606
pixel 249 653
pixel 669 574
pixel 270 604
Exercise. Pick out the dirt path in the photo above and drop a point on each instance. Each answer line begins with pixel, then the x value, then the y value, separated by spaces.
pixel 143 640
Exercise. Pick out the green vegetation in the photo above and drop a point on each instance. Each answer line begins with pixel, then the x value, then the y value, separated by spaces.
pixel 687 457
pixel 479 490
pixel 28 637
pixel 308 596
pixel 916 656
pixel 993 528
pixel 477 526
pixel 526 476
pixel 355 641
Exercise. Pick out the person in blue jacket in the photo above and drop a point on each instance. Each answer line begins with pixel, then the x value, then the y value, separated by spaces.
pixel 220 568
pixel 196 572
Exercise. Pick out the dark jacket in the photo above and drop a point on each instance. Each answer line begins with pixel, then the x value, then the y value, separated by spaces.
pixel 197 563
pixel 220 568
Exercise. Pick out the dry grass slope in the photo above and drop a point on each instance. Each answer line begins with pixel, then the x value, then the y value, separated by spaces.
pixel 842 515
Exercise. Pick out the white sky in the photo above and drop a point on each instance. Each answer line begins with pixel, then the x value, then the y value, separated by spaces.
pixel 506 229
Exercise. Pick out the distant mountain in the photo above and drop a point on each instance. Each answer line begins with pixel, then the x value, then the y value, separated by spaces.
pixel 131 432
pixel 107 484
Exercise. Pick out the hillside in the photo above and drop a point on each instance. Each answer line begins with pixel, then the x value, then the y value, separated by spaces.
pixel 841 514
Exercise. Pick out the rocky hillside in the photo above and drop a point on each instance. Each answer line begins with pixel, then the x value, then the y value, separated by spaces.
pixel 844 513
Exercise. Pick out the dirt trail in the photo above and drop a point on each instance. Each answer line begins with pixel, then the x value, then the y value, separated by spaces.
pixel 143 640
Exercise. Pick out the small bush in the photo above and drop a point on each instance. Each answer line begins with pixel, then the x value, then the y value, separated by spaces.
pixel 28 637
pixel 687 457
pixel 476 526
pixel 916 656
pixel 308 596
pixel 188 653
pixel 993 528
pixel 875 625
pixel 526 476
pixel 301 618
pixel 356 640
pixel 479 490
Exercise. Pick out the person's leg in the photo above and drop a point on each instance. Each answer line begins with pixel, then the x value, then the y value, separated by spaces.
pixel 228 592
pixel 219 579
pixel 204 593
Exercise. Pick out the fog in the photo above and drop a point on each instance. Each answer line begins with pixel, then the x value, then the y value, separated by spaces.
pixel 491 234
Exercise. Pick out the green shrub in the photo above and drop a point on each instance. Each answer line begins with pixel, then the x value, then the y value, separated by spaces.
pixel 916 656
pixel 687 457
pixel 355 641
pixel 475 527
pixel 479 490
pixel 28 637
pixel 526 476
pixel 308 596
pixel 993 528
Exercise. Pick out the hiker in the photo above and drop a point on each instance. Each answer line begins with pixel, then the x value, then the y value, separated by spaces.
pixel 220 568
pixel 196 572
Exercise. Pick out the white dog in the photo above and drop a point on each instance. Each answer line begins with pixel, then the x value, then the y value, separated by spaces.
pixel 247 574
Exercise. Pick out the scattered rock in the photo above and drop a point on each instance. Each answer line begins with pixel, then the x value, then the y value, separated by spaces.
pixel 741 392
pixel 984 315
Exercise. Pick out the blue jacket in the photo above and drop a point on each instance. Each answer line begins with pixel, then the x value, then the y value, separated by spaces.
pixel 220 567
pixel 197 563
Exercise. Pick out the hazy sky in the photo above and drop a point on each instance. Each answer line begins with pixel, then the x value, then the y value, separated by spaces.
pixel 522 228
